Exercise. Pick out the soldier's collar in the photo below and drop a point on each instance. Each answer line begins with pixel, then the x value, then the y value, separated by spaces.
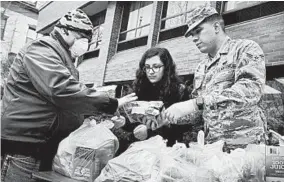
pixel 224 49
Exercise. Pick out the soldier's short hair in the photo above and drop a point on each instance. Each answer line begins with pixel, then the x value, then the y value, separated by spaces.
pixel 215 17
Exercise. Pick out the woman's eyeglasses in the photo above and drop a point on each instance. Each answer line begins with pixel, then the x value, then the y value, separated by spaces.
pixel 155 68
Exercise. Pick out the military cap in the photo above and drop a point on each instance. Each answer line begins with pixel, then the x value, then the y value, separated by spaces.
pixel 197 15
pixel 77 21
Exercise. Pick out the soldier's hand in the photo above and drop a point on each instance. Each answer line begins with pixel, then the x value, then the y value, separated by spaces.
pixel 128 98
pixel 140 132
pixel 180 109
pixel 161 120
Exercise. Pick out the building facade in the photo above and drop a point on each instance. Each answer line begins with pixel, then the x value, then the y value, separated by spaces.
pixel 18 26
pixel 125 30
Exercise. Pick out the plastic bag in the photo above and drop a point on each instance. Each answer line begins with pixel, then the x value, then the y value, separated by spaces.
pixel 84 153
pixel 109 89
pixel 151 161
pixel 240 165
pixel 137 163
pixel 137 111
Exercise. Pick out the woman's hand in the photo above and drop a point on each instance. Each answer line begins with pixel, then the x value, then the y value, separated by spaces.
pixel 140 132
pixel 150 122
pixel 126 99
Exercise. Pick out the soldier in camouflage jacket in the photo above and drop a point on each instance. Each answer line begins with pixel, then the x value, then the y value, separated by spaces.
pixel 228 84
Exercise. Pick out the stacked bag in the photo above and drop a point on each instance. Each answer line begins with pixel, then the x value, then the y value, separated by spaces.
pixel 85 152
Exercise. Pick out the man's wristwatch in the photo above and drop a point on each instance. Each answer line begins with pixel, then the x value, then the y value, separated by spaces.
pixel 200 102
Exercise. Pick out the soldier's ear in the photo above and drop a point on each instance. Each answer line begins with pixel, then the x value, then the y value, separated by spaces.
pixel 217 26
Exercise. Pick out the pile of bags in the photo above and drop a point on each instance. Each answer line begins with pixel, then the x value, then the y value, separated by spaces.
pixel 149 161
pixel 152 161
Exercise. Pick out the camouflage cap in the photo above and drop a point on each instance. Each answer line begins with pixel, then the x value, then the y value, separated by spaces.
pixel 78 21
pixel 197 15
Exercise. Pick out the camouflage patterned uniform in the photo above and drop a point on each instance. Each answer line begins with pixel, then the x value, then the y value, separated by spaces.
pixel 231 84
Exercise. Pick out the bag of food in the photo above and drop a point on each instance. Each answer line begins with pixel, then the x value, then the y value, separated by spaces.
pixel 137 163
pixel 109 89
pixel 151 161
pixel 142 111
pixel 84 153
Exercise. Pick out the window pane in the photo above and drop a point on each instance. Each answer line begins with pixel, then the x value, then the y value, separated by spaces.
pixel 3 22
pixel 145 13
pixel 230 5
pixel 98 22
pixel 176 21
pixel 178 7
pixel 97 37
pixel 143 31
pixel 128 35
pixel 31 34
pixel 133 15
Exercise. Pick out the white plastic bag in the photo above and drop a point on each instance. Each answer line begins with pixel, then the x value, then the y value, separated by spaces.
pixel 84 153
pixel 151 161
pixel 137 163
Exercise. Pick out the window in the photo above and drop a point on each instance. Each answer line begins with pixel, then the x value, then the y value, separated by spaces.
pixel 135 24
pixel 3 25
pixel 136 20
pixel 234 5
pixel 31 34
pixel 239 11
pixel 98 21
pixel 174 18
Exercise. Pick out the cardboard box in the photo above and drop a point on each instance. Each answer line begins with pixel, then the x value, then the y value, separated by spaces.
pixel 274 163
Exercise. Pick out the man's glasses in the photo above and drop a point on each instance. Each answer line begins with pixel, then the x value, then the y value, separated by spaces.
pixel 155 68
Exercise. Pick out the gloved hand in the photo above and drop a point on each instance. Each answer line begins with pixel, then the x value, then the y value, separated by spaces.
pixel 178 110
pixel 140 132
pixel 128 98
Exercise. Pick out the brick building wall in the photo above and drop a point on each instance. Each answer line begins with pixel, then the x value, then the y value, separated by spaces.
pixel 87 73
pixel 268 32
pixel 124 64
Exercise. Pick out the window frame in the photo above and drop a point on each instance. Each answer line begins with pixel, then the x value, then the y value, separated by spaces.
pixel 235 16
pixel 33 28
pixel 238 9
pixel 3 18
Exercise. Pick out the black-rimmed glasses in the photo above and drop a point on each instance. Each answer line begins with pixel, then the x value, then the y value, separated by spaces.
pixel 155 68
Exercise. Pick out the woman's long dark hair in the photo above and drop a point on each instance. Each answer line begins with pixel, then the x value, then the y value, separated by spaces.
pixel 168 86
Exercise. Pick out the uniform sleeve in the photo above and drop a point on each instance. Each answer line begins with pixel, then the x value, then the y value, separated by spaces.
pixel 249 80
pixel 53 80
pixel 192 118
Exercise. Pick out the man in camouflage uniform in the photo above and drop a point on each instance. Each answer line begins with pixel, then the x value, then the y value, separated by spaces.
pixel 228 84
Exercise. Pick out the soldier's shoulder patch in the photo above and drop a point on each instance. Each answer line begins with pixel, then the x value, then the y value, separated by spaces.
pixel 254 57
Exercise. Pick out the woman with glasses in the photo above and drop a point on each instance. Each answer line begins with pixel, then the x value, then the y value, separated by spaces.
pixel 157 80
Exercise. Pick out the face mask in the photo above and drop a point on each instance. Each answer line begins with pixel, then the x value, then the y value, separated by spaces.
pixel 79 47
